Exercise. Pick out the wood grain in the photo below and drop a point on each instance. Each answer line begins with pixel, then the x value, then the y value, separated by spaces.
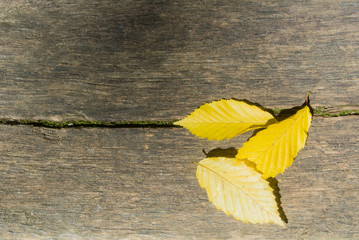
pixel 157 60
pixel 140 184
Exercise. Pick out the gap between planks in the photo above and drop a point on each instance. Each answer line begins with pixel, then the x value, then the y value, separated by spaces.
pixel 319 111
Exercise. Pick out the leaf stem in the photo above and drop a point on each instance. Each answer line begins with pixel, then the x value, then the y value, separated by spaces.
pixel 307 99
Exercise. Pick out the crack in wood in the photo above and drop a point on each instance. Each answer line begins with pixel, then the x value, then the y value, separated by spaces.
pixel 319 111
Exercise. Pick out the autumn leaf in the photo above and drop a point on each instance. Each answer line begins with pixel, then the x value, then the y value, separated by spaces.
pixel 274 148
pixel 225 119
pixel 238 190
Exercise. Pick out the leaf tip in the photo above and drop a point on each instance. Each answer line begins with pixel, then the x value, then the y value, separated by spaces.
pixel 178 123
pixel 281 223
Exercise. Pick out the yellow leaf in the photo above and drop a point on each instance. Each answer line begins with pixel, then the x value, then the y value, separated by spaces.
pixel 239 190
pixel 225 119
pixel 274 148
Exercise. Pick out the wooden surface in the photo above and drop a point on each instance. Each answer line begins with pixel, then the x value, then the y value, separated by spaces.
pixel 140 184
pixel 159 60
pixel 151 60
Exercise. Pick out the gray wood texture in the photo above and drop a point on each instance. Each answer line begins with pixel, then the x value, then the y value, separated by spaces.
pixel 157 60
pixel 140 184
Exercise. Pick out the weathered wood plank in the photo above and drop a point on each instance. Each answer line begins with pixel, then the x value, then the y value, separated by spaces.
pixel 136 60
pixel 139 184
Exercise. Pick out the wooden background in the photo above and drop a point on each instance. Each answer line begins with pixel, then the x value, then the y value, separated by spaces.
pixel 107 60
